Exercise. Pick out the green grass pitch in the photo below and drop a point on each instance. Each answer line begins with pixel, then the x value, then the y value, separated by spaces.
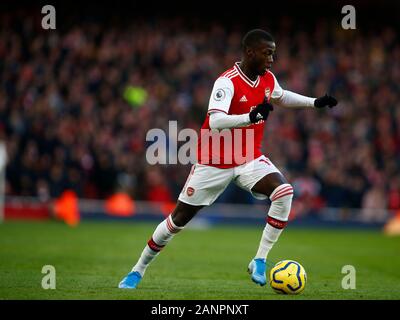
pixel 208 264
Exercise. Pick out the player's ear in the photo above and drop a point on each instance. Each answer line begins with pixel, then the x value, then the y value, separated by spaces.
pixel 249 52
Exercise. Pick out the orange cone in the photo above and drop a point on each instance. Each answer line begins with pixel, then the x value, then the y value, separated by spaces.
pixel 120 204
pixel 66 208
pixel 392 227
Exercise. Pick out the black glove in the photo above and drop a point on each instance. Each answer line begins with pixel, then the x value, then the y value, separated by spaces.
pixel 260 112
pixel 325 101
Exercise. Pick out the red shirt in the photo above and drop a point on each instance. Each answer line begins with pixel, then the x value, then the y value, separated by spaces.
pixel 234 93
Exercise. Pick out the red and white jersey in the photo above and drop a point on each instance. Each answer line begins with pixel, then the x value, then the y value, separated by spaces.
pixel 234 93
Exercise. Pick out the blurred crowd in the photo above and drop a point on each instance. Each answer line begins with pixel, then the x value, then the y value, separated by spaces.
pixel 67 125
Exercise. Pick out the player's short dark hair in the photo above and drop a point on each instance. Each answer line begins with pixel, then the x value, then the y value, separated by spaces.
pixel 253 37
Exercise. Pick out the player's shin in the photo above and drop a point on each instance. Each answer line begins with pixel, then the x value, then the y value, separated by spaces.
pixel 278 214
pixel 164 232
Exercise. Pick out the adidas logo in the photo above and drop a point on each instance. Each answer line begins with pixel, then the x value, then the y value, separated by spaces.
pixel 243 99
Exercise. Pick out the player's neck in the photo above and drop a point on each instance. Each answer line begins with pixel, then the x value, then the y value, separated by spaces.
pixel 247 71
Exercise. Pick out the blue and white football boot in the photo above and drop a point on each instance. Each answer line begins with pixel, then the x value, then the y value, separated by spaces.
pixel 131 281
pixel 257 269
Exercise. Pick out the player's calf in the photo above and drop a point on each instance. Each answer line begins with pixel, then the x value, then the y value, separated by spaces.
pixel 164 232
pixel 278 214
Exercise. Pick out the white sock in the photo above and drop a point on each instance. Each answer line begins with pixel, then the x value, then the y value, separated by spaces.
pixel 164 232
pixel 278 215
pixel 269 237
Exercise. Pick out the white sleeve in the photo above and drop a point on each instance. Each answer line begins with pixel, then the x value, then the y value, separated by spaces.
pixel 220 120
pixel 286 98
pixel 294 100
pixel 221 96
pixel 278 91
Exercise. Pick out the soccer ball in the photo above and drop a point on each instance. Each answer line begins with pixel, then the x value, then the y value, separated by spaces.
pixel 288 277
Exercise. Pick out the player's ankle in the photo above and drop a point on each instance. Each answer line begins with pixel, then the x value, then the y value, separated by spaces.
pixel 260 258
pixel 141 271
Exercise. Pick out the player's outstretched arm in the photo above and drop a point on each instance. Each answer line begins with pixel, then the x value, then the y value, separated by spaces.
pixel 290 99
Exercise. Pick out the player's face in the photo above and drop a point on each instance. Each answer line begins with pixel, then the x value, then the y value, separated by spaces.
pixel 263 56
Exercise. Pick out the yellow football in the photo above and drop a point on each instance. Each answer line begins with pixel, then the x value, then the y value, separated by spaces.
pixel 288 277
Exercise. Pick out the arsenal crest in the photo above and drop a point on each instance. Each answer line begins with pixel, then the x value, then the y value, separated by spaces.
pixel 190 191
pixel 267 92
